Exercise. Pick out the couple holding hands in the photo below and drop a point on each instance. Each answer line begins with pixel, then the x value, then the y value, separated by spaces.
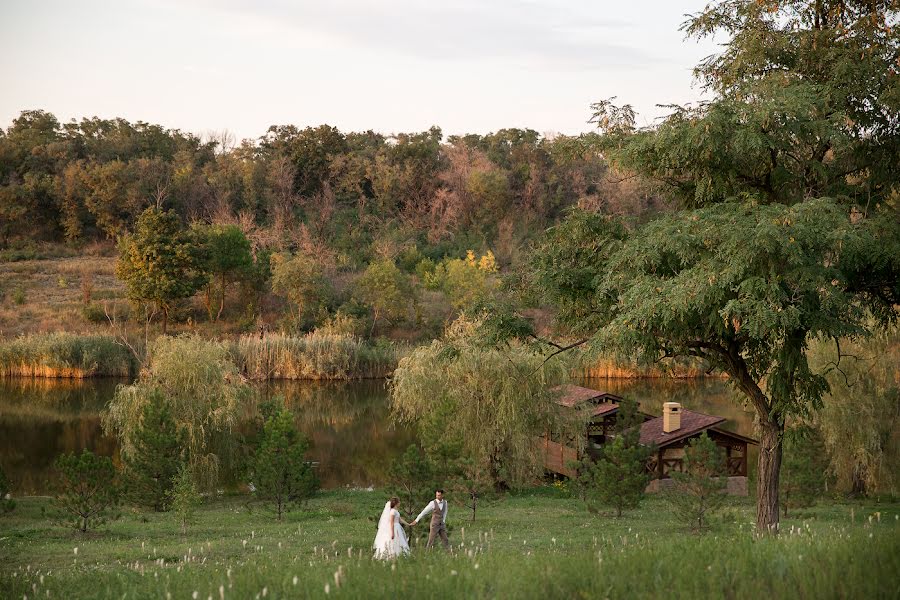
pixel 390 540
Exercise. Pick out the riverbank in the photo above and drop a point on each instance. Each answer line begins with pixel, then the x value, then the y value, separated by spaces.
pixel 537 544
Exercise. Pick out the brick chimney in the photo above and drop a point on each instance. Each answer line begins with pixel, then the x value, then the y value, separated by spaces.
pixel 671 417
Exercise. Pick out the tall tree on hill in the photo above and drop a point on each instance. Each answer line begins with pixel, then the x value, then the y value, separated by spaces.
pixel 788 229
pixel 227 255
pixel 160 262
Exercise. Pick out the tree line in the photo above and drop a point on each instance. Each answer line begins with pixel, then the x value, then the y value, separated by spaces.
pixel 353 193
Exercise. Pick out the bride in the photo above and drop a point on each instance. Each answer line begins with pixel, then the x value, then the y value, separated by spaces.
pixel 390 541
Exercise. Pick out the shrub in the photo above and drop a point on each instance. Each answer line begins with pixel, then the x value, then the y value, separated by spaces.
pixel 94 313
pixel 184 497
pixel 88 488
pixel 280 471
pixel 700 488
pixel 18 296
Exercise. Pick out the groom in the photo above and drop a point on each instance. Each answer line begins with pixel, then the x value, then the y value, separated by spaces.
pixel 438 510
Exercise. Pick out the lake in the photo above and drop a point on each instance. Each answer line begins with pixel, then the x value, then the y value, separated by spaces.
pixel 353 439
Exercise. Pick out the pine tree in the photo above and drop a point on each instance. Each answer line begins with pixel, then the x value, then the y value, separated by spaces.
pixel 155 457
pixel 281 473
pixel 700 488
pixel 619 476
pixel 184 497
pixel 88 488
pixel 412 477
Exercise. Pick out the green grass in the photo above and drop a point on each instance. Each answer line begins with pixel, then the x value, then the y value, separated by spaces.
pixel 536 544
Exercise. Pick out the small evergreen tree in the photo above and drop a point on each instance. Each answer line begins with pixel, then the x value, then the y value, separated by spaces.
pixel 619 476
pixel 281 473
pixel 154 459
pixel 412 477
pixel 185 497
pixel 803 469
pixel 87 489
pixel 6 504
pixel 700 488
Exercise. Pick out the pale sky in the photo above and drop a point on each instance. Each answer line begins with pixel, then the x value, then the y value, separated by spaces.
pixel 392 66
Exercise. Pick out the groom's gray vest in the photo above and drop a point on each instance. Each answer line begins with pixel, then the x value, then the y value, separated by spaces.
pixel 437 516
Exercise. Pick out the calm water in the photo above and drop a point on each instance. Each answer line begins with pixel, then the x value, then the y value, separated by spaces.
pixel 352 437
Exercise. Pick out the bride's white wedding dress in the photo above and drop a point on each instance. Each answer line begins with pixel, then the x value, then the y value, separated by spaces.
pixel 385 546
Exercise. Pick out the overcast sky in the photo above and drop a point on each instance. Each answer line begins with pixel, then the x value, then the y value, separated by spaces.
pixel 242 65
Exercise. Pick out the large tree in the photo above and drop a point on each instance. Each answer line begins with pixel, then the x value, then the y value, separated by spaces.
pixel 788 226
pixel 197 383
pixel 160 262
pixel 494 405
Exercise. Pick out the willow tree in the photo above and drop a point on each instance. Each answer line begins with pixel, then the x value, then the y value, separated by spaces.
pixel 490 403
pixel 198 385
pixel 786 223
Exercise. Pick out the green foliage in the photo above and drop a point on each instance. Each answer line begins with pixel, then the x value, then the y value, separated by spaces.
pixel 386 290
pixel 88 488
pixel 699 489
pixel 184 497
pixel 155 456
pixel 199 385
pixel 804 468
pixel 860 420
pixel 281 473
pixel 619 475
pixel 492 403
pixel 65 355
pixel 467 281
pixel 7 504
pixel 413 477
pixel 742 286
pixel 160 262
pixel 301 279
pixel 226 256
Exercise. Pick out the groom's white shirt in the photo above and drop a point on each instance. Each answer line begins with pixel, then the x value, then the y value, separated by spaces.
pixel 442 504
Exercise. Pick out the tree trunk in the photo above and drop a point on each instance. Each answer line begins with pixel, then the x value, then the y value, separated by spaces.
pixel 771 426
pixel 222 300
pixel 165 323
pixel 767 476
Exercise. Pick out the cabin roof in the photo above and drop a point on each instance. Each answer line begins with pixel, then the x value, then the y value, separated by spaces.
pixel 691 423
pixel 604 409
pixel 572 395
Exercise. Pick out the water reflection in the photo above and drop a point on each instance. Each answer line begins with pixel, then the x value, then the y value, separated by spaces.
pixel 352 438
pixel 348 424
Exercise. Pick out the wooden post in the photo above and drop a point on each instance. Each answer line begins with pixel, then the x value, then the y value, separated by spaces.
pixel 659 463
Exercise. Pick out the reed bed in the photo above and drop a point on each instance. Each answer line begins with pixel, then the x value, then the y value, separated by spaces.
pixel 64 355
pixel 314 356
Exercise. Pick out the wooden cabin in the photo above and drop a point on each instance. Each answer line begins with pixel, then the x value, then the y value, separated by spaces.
pixel 603 407
pixel 674 430
pixel 670 433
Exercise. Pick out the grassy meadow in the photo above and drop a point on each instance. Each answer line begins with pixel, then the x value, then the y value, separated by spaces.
pixel 533 544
